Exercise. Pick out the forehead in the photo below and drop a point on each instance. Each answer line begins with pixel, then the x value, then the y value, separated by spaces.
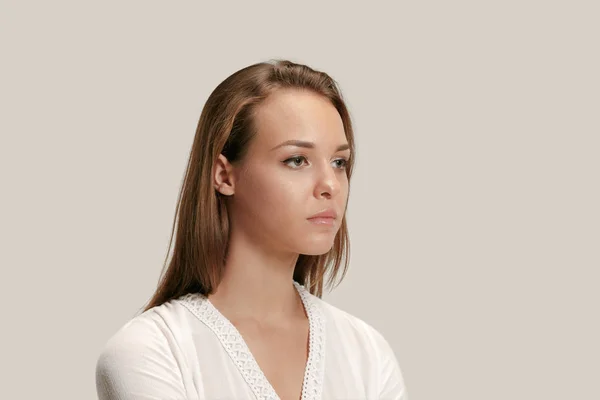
pixel 298 114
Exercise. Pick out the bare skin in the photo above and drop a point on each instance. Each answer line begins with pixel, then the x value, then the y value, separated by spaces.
pixel 269 198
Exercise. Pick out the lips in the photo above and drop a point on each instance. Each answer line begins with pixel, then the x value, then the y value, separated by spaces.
pixel 330 222
pixel 328 213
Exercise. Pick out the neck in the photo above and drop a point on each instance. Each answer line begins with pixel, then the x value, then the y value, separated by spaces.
pixel 257 284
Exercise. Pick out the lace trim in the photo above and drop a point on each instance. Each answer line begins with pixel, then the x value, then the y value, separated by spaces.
pixel 236 347
pixel 315 367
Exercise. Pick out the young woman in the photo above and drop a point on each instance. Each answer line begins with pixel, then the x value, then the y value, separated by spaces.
pixel 238 312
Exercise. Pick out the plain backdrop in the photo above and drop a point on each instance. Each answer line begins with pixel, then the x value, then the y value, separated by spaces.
pixel 474 208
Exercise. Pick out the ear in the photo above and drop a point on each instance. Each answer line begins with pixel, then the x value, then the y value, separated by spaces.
pixel 223 180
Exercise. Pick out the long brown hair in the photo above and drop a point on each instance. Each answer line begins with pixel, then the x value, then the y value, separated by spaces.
pixel 226 127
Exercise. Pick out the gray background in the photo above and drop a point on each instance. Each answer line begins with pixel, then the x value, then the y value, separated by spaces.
pixel 474 208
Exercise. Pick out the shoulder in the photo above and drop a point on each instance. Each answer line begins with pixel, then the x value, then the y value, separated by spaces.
pixel 369 346
pixel 354 328
pixel 140 355
pixel 142 332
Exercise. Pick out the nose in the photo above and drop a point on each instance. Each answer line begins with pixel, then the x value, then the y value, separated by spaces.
pixel 328 182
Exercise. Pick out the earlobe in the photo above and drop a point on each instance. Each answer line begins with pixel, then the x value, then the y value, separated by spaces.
pixel 222 180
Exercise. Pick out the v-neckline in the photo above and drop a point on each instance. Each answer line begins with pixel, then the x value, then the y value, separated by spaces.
pixel 239 352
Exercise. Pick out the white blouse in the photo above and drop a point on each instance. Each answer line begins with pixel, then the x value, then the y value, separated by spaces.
pixel 186 349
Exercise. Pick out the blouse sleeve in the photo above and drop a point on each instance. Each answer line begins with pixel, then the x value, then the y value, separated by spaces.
pixel 392 385
pixel 137 363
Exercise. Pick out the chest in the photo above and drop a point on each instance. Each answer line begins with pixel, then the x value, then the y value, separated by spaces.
pixel 281 353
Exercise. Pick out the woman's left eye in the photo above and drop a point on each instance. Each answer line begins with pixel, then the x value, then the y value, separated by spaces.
pixel 344 162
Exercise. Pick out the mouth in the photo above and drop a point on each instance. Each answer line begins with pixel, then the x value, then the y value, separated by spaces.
pixel 326 221
pixel 327 213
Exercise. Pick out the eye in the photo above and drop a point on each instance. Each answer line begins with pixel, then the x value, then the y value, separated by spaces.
pixel 344 163
pixel 294 159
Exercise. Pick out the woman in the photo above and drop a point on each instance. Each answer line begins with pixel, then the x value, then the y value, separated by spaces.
pixel 238 312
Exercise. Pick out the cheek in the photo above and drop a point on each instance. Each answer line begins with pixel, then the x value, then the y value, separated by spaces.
pixel 274 195
pixel 283 197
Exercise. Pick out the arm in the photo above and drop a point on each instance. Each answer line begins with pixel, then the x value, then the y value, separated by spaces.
pixel 392 385
pixel 138 364
pixel 392 381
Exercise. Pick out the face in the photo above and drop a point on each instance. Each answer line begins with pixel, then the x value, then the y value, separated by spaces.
pixel 295 168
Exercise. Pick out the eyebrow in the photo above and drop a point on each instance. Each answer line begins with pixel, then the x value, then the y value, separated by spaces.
pixel 308 145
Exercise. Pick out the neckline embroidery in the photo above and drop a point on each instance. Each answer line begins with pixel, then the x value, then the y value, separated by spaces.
pixel 239 352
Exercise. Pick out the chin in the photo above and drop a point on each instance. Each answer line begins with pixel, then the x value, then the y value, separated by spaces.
pixel 316 249
pixel 313 253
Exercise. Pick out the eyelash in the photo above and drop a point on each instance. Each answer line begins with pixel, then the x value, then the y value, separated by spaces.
pixel 344 164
